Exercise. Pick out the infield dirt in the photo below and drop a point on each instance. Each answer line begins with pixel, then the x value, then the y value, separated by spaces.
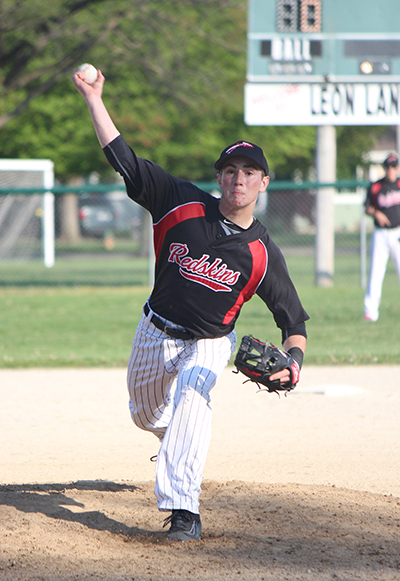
pixel 304 487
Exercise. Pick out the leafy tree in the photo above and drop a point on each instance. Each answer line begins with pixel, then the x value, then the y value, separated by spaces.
pixel 175 75
pixel 352 142
pixel 175 72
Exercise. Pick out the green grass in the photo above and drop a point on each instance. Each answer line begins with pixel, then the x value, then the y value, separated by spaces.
pixel 91 265
pixel 94 326
pixel 126 245
pixel 336 330
pixel 82 326
pixel 112 270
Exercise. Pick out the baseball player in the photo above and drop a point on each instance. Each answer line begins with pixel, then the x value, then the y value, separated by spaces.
pixel 383 203
pixel 211 257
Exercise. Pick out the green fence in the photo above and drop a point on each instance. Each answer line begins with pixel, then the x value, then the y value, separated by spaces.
pixel 101 237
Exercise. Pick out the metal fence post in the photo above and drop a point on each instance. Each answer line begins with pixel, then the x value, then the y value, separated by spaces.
pixel 325 231
pixel 48 217
pixel 363 231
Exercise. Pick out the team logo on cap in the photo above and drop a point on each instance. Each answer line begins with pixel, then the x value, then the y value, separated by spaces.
pixel 240 144
pixel 391 161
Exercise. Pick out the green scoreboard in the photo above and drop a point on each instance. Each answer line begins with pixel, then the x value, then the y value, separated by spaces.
pixel 347 52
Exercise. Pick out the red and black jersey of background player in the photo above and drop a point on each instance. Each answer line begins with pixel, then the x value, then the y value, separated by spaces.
pixel 203 276
pixel 385 196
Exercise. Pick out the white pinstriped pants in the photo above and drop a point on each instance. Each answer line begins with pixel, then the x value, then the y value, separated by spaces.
pixel 385 242
pixel 182 424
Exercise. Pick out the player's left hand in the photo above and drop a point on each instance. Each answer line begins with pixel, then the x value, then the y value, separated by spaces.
pixel 266 365
pixel 283 376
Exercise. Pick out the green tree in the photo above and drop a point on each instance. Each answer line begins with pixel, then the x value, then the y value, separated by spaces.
pixel 352 142
pixel 40 41
pixel 175 72
pixel 175 75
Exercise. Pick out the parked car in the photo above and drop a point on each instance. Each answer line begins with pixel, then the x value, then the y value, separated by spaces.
pixel 127 214
pixel 96 215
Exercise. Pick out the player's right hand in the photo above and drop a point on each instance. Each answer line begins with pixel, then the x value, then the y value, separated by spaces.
pixel 86 90
pixel 382 219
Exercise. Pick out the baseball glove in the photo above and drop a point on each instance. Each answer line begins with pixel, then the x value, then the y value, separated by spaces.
pixel 258 361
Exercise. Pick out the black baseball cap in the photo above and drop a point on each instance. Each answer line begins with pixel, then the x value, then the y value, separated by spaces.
pixel 391 161
pixel 243 149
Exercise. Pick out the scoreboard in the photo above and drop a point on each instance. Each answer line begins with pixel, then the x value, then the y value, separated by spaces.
pixel 338 59
pixel 318 40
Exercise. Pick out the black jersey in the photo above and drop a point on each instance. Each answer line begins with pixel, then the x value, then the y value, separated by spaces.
pixel 202 275
pixel 385 196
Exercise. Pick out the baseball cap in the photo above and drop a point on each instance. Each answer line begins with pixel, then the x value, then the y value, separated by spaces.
pixel 243 149
pixel 391 161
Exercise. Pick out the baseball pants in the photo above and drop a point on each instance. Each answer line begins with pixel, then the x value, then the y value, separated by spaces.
pixel 385 242
pixel 181 419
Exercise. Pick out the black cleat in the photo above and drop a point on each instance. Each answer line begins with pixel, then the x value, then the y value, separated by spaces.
pixel 185 526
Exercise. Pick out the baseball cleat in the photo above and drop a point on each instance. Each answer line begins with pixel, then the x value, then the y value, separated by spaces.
pixel 185 526
pixel 369 318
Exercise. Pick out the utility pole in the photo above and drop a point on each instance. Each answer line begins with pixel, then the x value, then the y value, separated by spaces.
pixel 325 210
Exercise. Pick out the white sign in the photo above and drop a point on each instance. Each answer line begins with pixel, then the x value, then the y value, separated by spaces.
pixel 322 104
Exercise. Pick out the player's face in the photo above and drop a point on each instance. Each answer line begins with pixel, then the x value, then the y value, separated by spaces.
pixel 392 172
pixel 241 182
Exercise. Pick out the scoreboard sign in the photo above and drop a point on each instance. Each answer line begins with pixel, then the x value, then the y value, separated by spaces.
pixel 345 52
pixel 322 104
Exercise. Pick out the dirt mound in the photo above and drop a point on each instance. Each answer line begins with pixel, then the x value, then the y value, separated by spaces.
pixel 113 531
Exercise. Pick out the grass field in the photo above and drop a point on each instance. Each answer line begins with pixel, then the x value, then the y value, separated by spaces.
pixel 57 321
pixel 90 270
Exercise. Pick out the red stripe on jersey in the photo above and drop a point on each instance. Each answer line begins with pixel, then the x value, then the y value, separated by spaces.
pixel 174 217
pixel 260 260
pixel 375 188
pixel 215 286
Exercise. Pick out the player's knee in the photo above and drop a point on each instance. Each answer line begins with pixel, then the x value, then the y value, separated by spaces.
pixel 137 417
pixel 147 421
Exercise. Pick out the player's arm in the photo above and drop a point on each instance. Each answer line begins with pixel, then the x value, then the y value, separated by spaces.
pixel 379 216
pixel 279 294
pixel 371 209
pixel 102 122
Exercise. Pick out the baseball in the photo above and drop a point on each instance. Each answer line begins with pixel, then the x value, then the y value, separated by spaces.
pixel 90 72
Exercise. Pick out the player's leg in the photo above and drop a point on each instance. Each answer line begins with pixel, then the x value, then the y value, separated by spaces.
pixel 183 451
pixel 149 381
pixel 379 258
pixel 395 249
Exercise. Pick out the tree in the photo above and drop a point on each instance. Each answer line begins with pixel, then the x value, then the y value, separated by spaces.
pixel 175 72
pixel 40 41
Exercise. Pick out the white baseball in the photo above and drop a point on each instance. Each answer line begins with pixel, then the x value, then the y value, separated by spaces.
pixel 90 72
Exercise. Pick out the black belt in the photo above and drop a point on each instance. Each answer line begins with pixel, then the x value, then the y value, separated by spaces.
pixel 170 331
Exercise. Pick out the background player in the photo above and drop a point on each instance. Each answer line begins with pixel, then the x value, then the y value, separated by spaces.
pixel 211 257
pixel 383 203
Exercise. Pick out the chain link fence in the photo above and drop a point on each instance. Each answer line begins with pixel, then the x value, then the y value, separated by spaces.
pixel 291 220
pixel 101 237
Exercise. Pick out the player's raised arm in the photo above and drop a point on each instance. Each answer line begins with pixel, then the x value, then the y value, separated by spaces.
pixel 92 93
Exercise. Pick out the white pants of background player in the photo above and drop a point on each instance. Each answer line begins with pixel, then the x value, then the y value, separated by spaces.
pixel 385 242
pixel 182 423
